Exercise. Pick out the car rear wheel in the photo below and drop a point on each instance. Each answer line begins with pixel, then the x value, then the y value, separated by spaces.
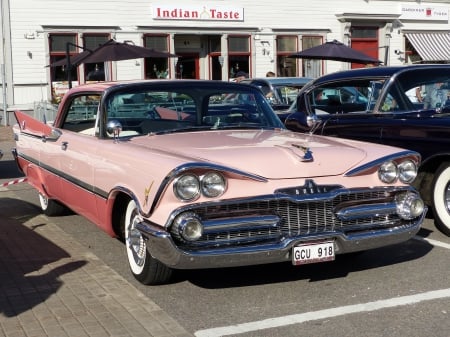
pixel 441 198
pixel 144 267
pixel 51 207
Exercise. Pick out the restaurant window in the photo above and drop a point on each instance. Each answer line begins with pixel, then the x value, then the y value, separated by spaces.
pixel 58 44
pixel 216 59
pixel 364 32
pixel 365 40
pixel 311 68
pixel 238 55
pixel 286 45
pixel 94 71
pixel 156 67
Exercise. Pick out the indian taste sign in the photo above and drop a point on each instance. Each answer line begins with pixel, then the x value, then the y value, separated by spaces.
pixel 203 13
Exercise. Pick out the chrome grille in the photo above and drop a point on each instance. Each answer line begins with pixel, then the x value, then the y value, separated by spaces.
pixel 298 216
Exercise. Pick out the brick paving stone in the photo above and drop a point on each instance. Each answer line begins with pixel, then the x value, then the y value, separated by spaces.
pixel 51 287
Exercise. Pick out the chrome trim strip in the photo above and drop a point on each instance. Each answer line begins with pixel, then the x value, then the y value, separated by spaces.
pixel 366 211
pixel 255 222
pixel 62 175
pixel 368 166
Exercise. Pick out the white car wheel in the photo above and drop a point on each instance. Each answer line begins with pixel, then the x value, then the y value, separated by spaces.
pixel 441 198
pixel 144 267
pixel 50 207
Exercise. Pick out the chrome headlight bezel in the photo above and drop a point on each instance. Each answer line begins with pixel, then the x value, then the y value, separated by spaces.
pixel 190 186
pixel 187 187
pixel 388 172
pixel 213 184
pixel 391 171
pixel 407 171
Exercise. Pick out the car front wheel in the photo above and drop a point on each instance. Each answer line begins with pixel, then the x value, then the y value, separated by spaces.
pixel 441 198
pixel 144 267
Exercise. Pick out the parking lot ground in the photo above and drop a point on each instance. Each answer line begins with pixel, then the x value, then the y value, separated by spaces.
pixel 50 285
pixel 396 291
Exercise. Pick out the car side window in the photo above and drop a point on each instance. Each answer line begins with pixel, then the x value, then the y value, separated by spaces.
pixel 82 113
pixel 345 98
pixel 437 95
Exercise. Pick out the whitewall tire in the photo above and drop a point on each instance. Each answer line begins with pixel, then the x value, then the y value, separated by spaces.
pixel 441 198
pixel 144 267
pixel 51 207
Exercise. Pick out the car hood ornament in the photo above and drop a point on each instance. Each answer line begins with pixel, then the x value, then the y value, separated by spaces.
pixel 307 152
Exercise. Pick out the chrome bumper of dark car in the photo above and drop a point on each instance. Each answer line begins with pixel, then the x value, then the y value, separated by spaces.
pixel 265 229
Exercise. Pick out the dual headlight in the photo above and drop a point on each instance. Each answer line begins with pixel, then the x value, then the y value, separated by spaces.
pixel 190 186
pixel 405 171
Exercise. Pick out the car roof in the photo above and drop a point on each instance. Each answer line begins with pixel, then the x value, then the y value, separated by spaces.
pixel 102 86
pixel 381 71
pixel 279 80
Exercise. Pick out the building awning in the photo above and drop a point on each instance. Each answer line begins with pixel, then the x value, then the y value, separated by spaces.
pixel 431 46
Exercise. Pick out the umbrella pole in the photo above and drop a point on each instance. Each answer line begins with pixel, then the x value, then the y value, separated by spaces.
pixel 69 65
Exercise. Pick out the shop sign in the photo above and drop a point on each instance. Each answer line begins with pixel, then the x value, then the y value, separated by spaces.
pixel 418 12
pixel 197 13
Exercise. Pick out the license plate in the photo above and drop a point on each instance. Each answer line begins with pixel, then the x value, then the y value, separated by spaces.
pixel 313 253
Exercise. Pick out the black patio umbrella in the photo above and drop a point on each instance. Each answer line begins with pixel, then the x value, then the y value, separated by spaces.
pixel 74 59
pixel 112 51
pixel 335 51
pixel 118 51
pixel 109 51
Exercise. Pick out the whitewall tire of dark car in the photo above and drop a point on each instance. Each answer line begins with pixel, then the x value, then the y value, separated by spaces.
pixel 144 267
pixel 441 198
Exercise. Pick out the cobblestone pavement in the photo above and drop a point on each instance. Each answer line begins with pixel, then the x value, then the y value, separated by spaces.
pixel 51 286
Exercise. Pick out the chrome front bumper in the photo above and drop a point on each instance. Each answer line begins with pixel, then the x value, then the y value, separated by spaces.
pixel 264 229
pixel 162 247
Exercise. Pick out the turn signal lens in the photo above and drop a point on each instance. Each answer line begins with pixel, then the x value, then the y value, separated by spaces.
pixel 409 205
pixel 189 227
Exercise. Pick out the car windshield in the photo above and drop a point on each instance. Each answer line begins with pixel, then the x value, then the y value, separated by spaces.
pixel 286 94
pixel 142 112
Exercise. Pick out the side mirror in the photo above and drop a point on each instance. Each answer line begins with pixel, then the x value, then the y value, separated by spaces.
pixel 53 136
pixel 114 127
pixel 313 122
pixel 297 121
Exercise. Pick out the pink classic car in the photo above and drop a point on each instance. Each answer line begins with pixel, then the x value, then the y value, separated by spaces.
pixel 203 174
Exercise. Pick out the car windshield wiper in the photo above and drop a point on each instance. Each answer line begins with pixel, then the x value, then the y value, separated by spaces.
pixel 183 129
pixel 213 127
pixel 242 126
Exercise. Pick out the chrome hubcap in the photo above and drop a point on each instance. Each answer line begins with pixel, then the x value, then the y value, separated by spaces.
pixel 136 243
pixel 447 197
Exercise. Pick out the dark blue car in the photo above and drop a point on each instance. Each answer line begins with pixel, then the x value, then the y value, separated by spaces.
pixel 404 106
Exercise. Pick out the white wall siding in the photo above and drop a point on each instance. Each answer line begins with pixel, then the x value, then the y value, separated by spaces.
pixel 29 41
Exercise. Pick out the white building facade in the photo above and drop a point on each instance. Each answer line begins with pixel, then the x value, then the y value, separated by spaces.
pixel 212 39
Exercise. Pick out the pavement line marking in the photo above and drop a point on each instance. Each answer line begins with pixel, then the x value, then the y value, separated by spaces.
pixel 322 314
pixel 433 242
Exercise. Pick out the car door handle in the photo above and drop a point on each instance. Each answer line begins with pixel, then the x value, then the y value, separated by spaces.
pixel 64 145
